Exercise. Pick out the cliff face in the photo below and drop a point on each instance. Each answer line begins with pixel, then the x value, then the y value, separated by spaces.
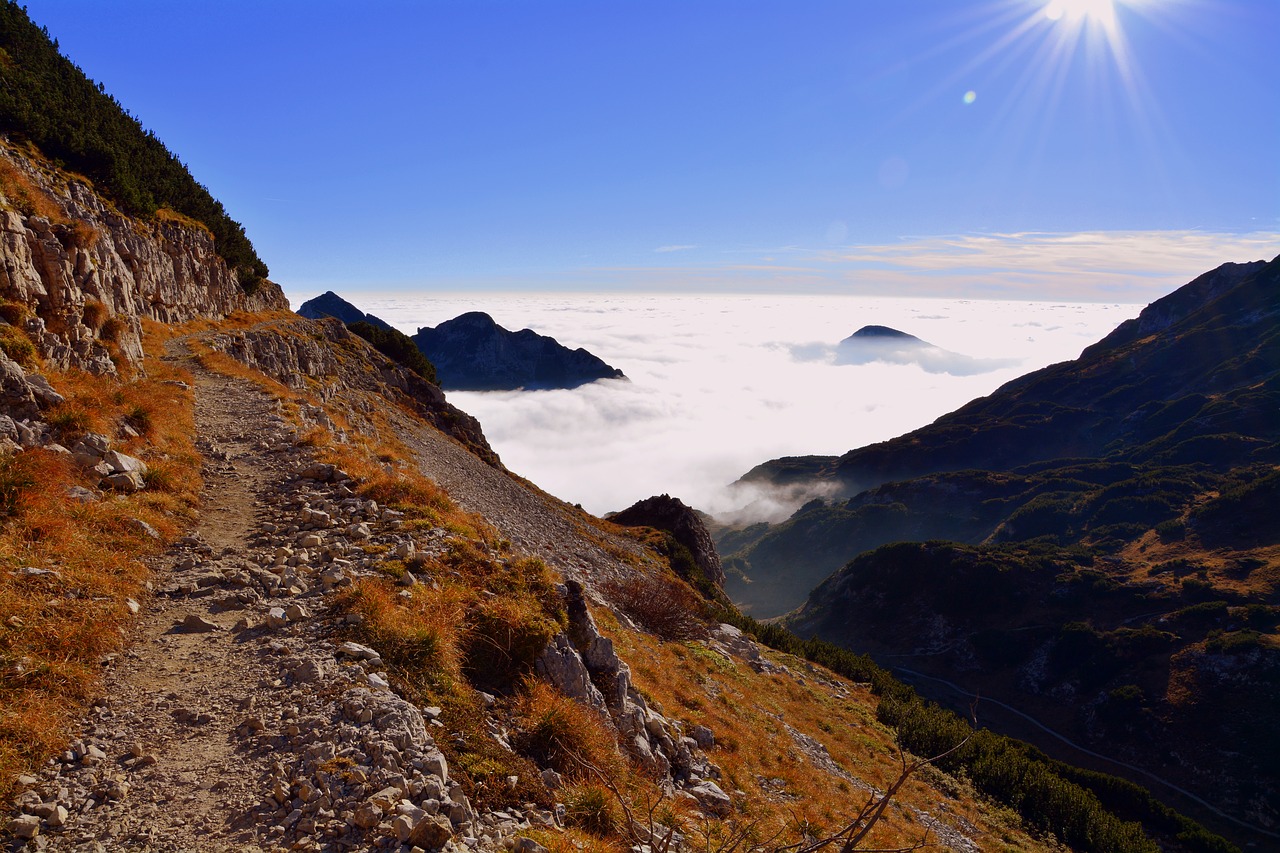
pixel 89 275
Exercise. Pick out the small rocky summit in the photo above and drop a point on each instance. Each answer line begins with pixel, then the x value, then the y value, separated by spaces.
pixel 664 512
pixel 330 304
pixel 473 353
pixel 882 335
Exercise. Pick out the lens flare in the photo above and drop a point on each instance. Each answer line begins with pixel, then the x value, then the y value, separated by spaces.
pixel 1101 12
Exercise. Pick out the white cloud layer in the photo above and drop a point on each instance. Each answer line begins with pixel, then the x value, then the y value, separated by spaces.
pixel 715 388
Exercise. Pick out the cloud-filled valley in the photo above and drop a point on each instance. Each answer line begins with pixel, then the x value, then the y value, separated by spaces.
pixel 717 385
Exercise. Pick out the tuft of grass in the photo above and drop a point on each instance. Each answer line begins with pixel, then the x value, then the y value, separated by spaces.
pixel 94 314
pixel 112 329
pixel 15 344
pixel 558 732
pixel 169 215
pixel 13 313
pixel 591 807
pixel 24 195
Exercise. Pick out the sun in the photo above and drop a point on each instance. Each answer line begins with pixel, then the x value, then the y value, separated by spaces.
pixel 1101 12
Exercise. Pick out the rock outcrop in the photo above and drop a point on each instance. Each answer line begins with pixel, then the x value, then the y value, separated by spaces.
pixel 310 353
pixel 87 275
pixel 473 353
pixel 330 304
pixel 664 512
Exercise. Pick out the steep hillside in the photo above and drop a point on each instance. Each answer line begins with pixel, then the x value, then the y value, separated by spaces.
pixel 1192 379
pixel 1109 559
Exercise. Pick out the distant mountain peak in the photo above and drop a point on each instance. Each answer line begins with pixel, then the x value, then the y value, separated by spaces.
pixel 330 304
pixel 472 352
pixel 873 334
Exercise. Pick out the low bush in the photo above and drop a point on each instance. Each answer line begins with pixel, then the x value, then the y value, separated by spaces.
pixel 17 346
pixel 659 603
pixel 591 807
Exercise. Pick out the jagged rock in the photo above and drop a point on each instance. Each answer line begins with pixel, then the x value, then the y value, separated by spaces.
pixel 711 798
pixel 664 512
pixel 431 832
pixel 122 463
pixel 162 270
pixel 17 394
pixel 125 481
pixel 81 494
pixel 25 826
pixel 703 737
pixel 194 624
pixel 553 780
pixel 562 666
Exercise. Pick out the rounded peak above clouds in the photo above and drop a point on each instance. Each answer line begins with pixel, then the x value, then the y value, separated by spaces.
pixel 872 334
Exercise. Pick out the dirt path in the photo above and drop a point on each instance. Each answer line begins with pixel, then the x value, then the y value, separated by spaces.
pixel 156 764
pixel 217 729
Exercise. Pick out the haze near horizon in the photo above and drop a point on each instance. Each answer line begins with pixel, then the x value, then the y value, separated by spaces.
pixel 1083 150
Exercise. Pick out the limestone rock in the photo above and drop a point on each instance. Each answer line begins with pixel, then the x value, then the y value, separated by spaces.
pixel 712 798
pixel 164 271
pixel 431 832
pixel 194 624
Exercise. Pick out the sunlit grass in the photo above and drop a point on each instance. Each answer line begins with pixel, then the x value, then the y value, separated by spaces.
pixel 55 629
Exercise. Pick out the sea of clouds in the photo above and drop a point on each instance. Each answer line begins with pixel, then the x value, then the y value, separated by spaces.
pixel 720 383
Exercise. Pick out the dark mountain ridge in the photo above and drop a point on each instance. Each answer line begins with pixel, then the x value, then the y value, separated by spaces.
pixel 1215 336
pixel 330 304
pixel 473 353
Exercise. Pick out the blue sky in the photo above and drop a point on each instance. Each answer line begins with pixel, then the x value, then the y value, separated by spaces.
pixel 1013 148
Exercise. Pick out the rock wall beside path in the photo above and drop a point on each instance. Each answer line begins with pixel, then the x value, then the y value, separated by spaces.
pixel 87 274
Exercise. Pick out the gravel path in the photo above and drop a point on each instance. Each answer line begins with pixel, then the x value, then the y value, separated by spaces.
pixel 238 720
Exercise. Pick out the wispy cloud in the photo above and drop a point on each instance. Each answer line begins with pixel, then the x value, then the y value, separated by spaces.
pixel 676 248
pixel 1095 266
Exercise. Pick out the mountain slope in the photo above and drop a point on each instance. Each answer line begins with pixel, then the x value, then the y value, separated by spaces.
pixel 330 304
pixel 1197 369
pixel 1111 569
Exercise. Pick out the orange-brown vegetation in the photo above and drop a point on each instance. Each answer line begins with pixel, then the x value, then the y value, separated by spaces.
pixel 25 195
pixel 70 568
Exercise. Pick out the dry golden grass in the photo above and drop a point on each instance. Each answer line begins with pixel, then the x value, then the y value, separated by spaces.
pixel 565 735
pixel 24 195
pixel 17 346
pixel 56 628
pixel 167 214
pixel 785 792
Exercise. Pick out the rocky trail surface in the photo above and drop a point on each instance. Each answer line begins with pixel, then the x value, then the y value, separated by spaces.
pixel 238 719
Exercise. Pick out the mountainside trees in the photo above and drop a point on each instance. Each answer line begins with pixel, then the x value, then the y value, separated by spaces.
pixel 46 99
